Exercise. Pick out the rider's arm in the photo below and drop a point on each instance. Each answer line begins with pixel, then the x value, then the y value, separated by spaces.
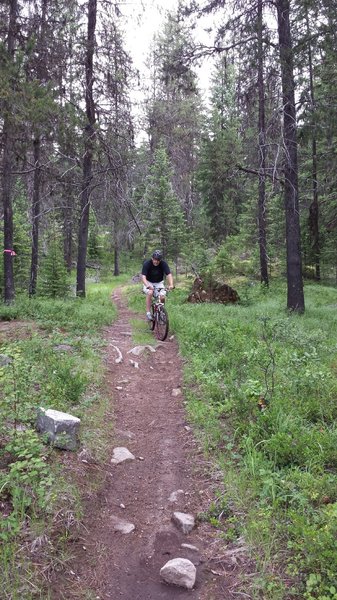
pixel 170 280
pixel 146 282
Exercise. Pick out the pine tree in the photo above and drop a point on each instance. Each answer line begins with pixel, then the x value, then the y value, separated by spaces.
pixel 174 108
pixel 220 155
pixel 89 137
pixel 53 278
pixel 295 294
pixel 163 216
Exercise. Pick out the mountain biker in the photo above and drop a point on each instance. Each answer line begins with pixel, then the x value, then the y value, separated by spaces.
pixel 153 273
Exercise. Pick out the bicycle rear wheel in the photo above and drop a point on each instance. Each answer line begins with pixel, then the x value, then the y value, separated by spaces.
pixel 162 324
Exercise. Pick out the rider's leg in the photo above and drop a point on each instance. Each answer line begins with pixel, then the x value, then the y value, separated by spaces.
pixel 162 293
pixel 149 300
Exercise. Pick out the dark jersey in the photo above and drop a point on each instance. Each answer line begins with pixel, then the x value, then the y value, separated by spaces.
pixel 155 274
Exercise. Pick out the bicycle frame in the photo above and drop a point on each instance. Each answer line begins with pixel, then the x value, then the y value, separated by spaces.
pixel 160 322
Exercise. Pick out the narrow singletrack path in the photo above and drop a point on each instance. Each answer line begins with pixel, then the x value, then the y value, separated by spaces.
pixel 150 421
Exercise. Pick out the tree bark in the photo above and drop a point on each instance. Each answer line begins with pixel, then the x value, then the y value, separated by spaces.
pixel 67 232
pixel 295 295
pixel 7 166
pixel 116 259
pixel 89 134
pixel 314 208
pixel 36 205
pixel 35 216
pixel 262 156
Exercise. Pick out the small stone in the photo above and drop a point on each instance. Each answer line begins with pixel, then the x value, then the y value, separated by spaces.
pixel 190 547
pixel 134 364
pixel 5 360
pixel 85 456
pixel 179 571
pixel 128 434
pixel 176 392
pixel 121 525
pixel 138 350
pixel 151 348
pixel 122 505
pixel 118 387
pixel 121 454
pixel 174 497
pixel 141 458
pixel 63 348
pixel 187 428
pixel 184 521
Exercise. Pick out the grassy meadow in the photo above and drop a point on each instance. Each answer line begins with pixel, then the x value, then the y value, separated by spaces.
pixel 260 389
pixel 51 355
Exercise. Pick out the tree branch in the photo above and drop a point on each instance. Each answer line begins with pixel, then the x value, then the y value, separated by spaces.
pixel 259 173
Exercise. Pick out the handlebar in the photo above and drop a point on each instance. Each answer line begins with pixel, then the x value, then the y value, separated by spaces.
pixel 162 288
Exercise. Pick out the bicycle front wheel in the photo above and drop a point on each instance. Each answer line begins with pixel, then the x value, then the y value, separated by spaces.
pixel 153 320
pixel 162 324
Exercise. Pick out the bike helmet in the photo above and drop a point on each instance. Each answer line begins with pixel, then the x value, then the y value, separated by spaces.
pixel 157 254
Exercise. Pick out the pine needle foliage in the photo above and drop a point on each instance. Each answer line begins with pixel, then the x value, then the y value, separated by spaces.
pixel 53 282
pixel 164 219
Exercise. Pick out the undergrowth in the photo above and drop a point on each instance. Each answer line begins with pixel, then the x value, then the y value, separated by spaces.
pixel 50 356
pixel 261 385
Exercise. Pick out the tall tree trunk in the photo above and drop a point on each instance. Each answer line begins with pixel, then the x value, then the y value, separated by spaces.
pixel 7 164
pixel 36 206
pixel 35 216
pixel 67 232
pixel 88 152
pixel 262 156
pixel 313 209
pixel 295 295
pixel 116 258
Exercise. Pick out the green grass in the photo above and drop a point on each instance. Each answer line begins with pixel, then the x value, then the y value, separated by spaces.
pixel 279 464
pixel 77 315
pixel 56 363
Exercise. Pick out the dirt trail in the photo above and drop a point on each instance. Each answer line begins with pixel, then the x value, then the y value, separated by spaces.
pixel 150 422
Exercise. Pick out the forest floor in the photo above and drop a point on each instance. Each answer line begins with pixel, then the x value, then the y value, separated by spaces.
pixel 150 420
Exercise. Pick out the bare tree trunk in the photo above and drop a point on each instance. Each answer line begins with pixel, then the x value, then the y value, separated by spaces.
pixel 67 233
pixel 262 151
pixel 89 134
pixel 36 205
pixel 35 216
pixel 116 259
pixel 313 209
pixel 295 295
pixel 7 164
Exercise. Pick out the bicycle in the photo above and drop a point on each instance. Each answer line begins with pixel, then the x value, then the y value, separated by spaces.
pixel 160 321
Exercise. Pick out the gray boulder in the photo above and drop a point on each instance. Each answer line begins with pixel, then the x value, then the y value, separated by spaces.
pixel 179 571
pixel 61 429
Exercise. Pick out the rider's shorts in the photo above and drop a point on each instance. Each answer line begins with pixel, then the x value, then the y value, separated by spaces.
pixel 156 286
